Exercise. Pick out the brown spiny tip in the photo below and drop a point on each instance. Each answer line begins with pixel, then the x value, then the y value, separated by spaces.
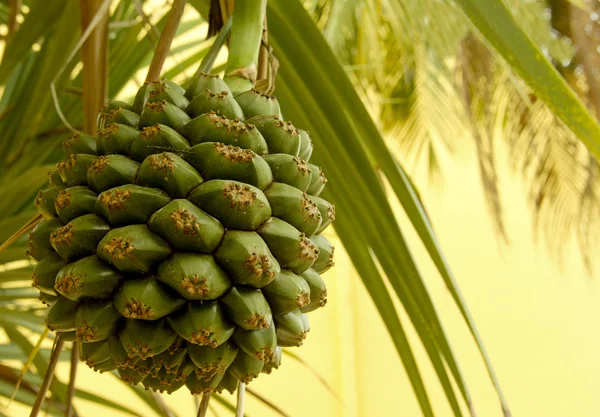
pixel 63 199
pixel 239 195
pixel 68 143
pixel 150 132
pixel 38 198
pixel 205 75
pixel 119 248
pixel 208 370
pixel 50 326
pixel 307 249
pixel 303 299
pixel 62 235
pixel 85 332
pixel 99 164
pixel 322 176
pixel 309 208
pixel 156 106
pixel 135 309
pixel 185 221
pixel 144 352
pixel 266 355
pixel 331 212
pixel 259 265
pixel 287 127
pixel 68 163
pixel 258 321
pixel 234 153
pixel 323 298
pixel 195 285
pixel 162 162
pixel 219 96
pixel 111 114
pixel 331 262
pixel 301 165
pixel 115 199
pixel 175 346
pixel 248 378
pixel 68 284
pixel 105 133
pixel 158 87
pixel 205 337
pixel 128 379
pixel 264 95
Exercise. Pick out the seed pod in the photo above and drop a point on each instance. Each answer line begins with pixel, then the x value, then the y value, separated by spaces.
pixel 228 383
pixel 292 249
pixel 212 127
pixel 111 171
pixel 47 299
pixel 254 103
pixel 120 355
pixel 95 321
pixel 325 259
pixel 116 139
pixel 79 237
pixel 291 328
pixel 270 366
pixel 45 271
pixel 245 367
pixel 61 316
pixel 289 170
pixel 186 227
pixel 169 172
pixel 317 180
pixel 114 104
pixel 247 307
pixel 287 292
pixel 184 370
pixel 105 366
pixel 163 382
pixel 133 249
pixel 161 90
pixel 164 113
pixel 201 82
pixel 219 161
pixel 235 204
pixel 221 102
pixel 247 259
pixel 119 112
pixel 38 244
pixel 74 202
pixel 318 291
pixel 294 206
pixel 130 376
pixel 306 146
pixel 145 367
pixel 259 344
pixel 170 360
pixel 156 139
pixel 143 93
pixel 94 352
pixel 130 203
pixel 195 277
pixel 88 277
pixel 201 386
pixel 73 170
pixel 44 202
pixel 55 180
pixel 146 339
pixel 203 324
pixel 211 361
pixel 281 137
pixel 79 143
pixel 327 211
pixel 145 299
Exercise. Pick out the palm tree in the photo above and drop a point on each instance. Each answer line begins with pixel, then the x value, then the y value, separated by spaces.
pixel 425 74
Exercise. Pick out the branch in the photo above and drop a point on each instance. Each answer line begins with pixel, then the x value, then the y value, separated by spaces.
pixel 39 399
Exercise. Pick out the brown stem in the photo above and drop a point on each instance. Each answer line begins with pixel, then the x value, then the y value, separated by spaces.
pixel 203 405
pixel 164 43
pixel 24 229
pixel 39 399
pixel 72 376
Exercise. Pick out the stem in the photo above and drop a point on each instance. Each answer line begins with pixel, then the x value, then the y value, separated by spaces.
pixel 215 48
pixel 41 395
pixel 239 410
pixel 24 229
pixel 166 38
pixel 72 376
pixel 203 405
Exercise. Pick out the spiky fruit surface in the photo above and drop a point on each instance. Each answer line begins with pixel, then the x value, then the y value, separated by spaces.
pixel 183 245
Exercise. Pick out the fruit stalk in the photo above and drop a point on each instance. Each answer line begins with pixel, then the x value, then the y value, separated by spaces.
pixel 203 405
pixel 241 394
pixel 72 376
pixel 41 395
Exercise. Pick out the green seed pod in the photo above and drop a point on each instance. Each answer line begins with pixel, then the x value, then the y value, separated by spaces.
pixel 327 211
pixel 237 205
pixel 44 202
pixel 317 180
pixel 270 366
pixel 255 103
pixel 73 170
pixel 111 171
pixel 306 146
pixel 163 382
pixel 79 237
pixel 219 161
pixel 80 143
pixel 245 367
pixel 195 277
pixel 38 244
pixel 294 206
pixel 116 139
pixel 202 82
pixel 105 366
pixel 247 307
pixel 74 202
pixel 281 137
pixel 201 386
pixel 318 291
pixel 170 361
pixel 130 203
pixel 146 339
pixel 289 170
pixel 247 259
pixel 120 355
pixel 325 259
pixel 156 139
pixel 45 271
pixel 157 91
pixel 94 352
pixel 119 112
pixel 228 383
pixel 146 367
pixel 292 249
pixel 186 227
pixel 291 328
pixel 47 299
pixel 221 102
pixel 259 344
pixel 61 316
pixel 95 321
pixel 130 376
pixel 203 324
pixel 164 113
pixel 212 127
pixel 169 172
pixel 55 180
pixel 88 277
pixel 68 336
pixel 287 292
pixel 183 371
pixel 145 299
pixel 133 249
pixel 211 361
